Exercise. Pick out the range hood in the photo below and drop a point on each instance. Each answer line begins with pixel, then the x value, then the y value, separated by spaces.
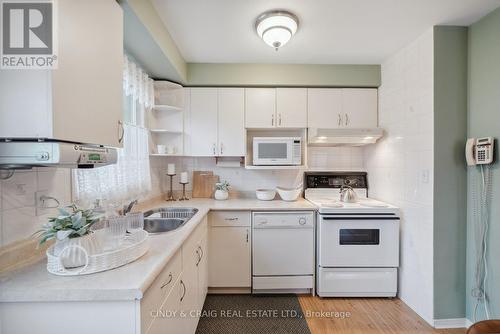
pixel 25 154
pixel 343 137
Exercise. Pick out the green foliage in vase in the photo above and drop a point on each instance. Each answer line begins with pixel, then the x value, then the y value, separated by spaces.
pixel 224 186
pixel 72 223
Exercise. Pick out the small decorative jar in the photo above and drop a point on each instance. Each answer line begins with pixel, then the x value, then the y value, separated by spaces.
pixel 221 195
pixel 221 190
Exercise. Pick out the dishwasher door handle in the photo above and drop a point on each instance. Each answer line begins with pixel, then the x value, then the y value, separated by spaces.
pixel 281 227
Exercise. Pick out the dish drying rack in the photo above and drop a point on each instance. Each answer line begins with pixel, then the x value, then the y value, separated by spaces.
pixel 133 247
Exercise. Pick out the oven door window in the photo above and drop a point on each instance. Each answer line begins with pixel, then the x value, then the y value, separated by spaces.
pixel 273 150
pixel 359 236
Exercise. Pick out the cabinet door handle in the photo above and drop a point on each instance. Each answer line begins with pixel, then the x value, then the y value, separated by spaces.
pixel 121 132
pixel 199 256
pixel 214 149
pixel 231 219
pixel 339 122
pixel 221 151
pixel 183 290
pixel 279 119
pixel 170 277
pixel 346 119
pixel 202 252
pixel 272 120
pixel 247 235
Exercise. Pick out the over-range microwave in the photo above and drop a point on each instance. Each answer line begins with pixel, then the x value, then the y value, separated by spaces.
pixel 282 151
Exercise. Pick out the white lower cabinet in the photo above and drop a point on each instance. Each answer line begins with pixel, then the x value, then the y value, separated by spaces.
pixel 230 249
pixel 179 312
pixel 159 291
pixel 203 271
pixel 171 304
pixel 167 318
pixel 192 273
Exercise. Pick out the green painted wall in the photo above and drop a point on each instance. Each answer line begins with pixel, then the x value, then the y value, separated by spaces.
pixel 148 40
pixel 139 44
pixel 484 120
pixel 450 173
pixel 283 75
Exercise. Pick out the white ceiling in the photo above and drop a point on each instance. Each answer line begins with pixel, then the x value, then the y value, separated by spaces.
pixel 330 31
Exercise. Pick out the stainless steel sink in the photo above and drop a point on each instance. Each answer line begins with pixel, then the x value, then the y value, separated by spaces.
pixel 167 219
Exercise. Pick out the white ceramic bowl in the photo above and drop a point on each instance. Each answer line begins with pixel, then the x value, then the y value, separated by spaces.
pixel 289 194
pixel 265 194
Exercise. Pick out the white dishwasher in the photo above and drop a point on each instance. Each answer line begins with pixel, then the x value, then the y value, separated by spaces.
pixel 283 252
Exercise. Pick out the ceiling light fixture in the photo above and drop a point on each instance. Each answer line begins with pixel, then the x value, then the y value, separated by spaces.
pixel 277 27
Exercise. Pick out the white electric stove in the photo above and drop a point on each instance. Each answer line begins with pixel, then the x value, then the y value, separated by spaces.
pixel 357 243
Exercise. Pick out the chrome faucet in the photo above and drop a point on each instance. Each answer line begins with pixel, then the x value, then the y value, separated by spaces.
pixel 128 208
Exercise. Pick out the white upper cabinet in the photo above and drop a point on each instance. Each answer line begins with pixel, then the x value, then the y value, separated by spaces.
pixel 81 100
pixel 342 107
pixel 324 107
pixel 291 107
pixel 203 122
pixel 359 107
pixel 260 107
pixel 231 122
pixel 275 107
pixel 215 122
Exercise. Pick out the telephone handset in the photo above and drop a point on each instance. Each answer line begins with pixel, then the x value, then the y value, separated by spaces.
pixel 479 151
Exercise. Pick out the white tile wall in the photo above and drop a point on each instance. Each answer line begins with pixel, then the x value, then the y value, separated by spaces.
pixel 400 166
pixel 243 180
pixel 19 217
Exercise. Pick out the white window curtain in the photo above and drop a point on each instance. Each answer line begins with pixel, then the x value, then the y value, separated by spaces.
pixel 137 84
pixel 130 177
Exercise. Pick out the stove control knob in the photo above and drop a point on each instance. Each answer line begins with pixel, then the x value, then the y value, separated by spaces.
pixel 302 221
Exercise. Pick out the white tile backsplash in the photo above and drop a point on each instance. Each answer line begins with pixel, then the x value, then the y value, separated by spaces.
pixel 18 223
pixel 245 180
pixel 19 217
pixel 19 190
pixel 400 166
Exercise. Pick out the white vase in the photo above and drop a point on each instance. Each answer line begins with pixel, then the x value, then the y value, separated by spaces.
pixel 73 257
pixel 221 195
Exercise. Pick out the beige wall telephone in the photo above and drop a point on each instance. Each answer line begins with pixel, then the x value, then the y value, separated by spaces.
pixel 479 151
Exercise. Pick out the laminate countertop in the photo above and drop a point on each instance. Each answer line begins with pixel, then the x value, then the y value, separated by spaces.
pixel 33 283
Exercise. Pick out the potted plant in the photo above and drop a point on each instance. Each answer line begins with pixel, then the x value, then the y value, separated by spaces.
pixel 222 190
pixel 71 228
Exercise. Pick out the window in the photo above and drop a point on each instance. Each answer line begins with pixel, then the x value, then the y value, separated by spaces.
pixel 130 177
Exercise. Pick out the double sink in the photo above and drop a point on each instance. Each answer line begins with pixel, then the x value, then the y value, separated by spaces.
pixel 167 219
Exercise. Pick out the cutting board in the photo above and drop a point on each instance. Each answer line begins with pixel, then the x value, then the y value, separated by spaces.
pixel 204 184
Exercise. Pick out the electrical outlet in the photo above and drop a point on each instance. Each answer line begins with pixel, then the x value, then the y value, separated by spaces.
pixel 20 189
pixel 39 203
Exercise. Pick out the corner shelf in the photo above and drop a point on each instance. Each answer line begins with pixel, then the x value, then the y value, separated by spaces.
pixel 166 119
